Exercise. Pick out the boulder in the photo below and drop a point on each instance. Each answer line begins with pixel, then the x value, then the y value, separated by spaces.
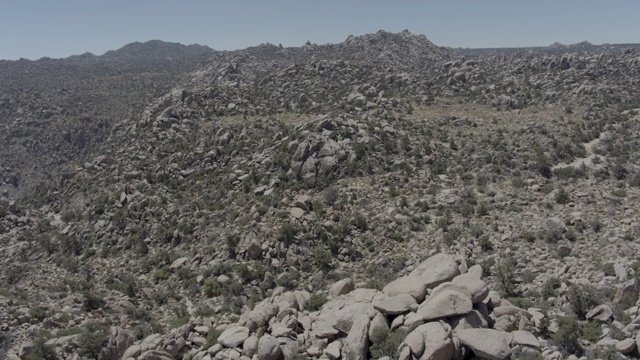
pixel 602 313
pixel 411 285
pixel 268 348
pixel 341 287
pixel 472 285
pixel 250 346
pixel 333 350
pixel 356 345
pixel 445 304
pixel 431 341
pixel 628 292
pixel 525 338
pixel 396 305
pixel 436 270
pixel 487 343
pixel 234 336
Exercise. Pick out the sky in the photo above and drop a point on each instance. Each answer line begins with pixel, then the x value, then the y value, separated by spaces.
pixel 59 28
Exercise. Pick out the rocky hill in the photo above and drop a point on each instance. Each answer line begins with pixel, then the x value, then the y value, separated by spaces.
pixel 337 202
pixel 53 111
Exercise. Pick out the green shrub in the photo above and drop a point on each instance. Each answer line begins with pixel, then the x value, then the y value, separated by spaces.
pixel 592 331
pixel 562 196
pixel 232 241
pixel 287 234
pixel 505 272
pixel 568 334
pixel 485 243
pixel 316 301
pixel 212 338
pixel 41 351
pixel 322 259
pixel 608 269
pixel 360 222
pixel 92 340
pixel 385 342
pixel 37 313
pixel 548 290
pixel 582 298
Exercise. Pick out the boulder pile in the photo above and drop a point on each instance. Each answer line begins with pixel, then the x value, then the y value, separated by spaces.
pixel 441 310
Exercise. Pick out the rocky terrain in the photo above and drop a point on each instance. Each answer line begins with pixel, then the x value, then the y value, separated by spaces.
pixel 381 198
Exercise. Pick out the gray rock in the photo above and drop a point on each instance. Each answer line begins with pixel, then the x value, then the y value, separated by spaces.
pixel 437 343
pixel 254 249
pixel 445 304
pixel 296 212
pixel 250 346
pixel 341 287
pixel 356 345
pixel 379 323
pixel 472 320
pixel 268 348
pixel 525 338
pixel 413 286
pixel 333 350
pixel 233 336
pixel 472 285
pixel 626 346
pixel 436 270
pixel 396 305
pixel 487 343
pixel 628 292
pixel 602 313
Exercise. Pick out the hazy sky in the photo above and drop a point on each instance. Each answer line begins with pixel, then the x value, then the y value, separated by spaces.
pixel 59 28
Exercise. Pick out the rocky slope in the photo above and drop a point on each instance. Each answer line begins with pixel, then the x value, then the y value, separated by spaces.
pixel 295 203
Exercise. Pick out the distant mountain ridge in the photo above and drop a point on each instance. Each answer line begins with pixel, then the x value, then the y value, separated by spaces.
pixel 157 49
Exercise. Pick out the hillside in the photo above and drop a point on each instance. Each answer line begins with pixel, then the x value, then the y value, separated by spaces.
pixel 379 197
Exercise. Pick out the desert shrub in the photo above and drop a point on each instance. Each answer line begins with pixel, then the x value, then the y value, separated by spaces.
pixel 232 241
pixel 322 259
pixel 529 237
pixel 568 334
pixel 37 313
pixel 92 340
pixel 582 298
pixel 569 173
pixel 476 231
pixel 505 272
pixel 289 279
pixel 548 290
pixel 608 269
pixel 316 301
pixel 562 196
pixel 452 236
pixel 596 225
pixel 360 222
pixel 485 243
pixel 482 209
pixel 287 234
pixel 543 166
pixel 592 331
pixel 212 338
pixel 13 275
pixel 385 342
pixel 571 235
pixel 619 193
pixel 41 351
pixel 212 287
